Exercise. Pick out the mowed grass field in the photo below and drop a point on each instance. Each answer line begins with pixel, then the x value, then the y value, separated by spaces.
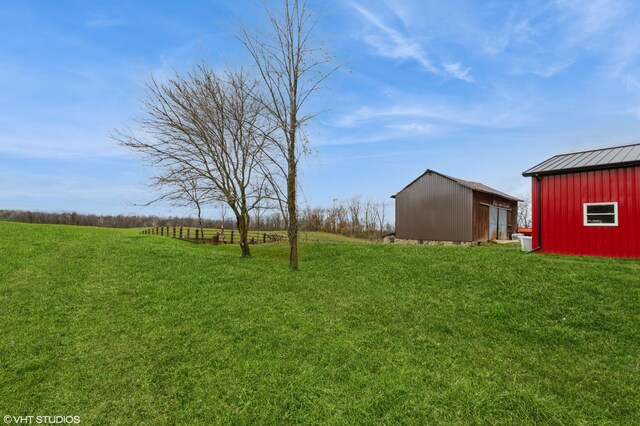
pixel 121 328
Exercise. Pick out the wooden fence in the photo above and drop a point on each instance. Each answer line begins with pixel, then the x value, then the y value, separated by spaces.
pixel 210 236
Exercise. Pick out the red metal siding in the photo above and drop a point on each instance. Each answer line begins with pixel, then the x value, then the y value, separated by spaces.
pixel 563 229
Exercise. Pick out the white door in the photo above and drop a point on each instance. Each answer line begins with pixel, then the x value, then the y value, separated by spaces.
pixel 498 223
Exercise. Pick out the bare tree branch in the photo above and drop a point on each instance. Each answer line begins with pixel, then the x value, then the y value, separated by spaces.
pixel 291 70
pixel 201 133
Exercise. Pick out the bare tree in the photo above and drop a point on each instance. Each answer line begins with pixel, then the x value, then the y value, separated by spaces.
pixel 355 207
pixel 370 219
pixel 223 216
pixel 204 126
pixel 183 189
pixel 524 212
pixel 261 209
pixel 381 217
pixel 291 70
pixel 342 219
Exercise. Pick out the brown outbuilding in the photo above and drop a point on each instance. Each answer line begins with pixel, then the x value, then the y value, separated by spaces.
pixel 437 207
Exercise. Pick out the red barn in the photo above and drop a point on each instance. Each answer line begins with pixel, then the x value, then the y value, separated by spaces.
pixel 588 203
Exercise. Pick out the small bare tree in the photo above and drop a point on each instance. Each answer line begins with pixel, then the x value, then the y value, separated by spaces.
pixel 183 189
pixel 355 208
pixel 261 208
pixel 202 127
pixel 381 217
pixel 524 212
pixel 223 216
pixel 291 69
pixel 342 219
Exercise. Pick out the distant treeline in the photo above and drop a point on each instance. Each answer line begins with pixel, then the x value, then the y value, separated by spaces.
pixel 353 217
pixel 111 221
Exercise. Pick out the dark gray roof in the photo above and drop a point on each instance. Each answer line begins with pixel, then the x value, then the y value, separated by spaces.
pixel 469 184
pixel 605 158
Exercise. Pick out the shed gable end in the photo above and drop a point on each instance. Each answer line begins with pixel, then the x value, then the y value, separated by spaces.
pixel 434 207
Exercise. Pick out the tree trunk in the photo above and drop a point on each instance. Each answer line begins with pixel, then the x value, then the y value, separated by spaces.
pixel 200 219
pixel 292 209
pixel 243 229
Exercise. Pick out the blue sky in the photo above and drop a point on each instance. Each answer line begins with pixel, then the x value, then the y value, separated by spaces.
pixel 480 90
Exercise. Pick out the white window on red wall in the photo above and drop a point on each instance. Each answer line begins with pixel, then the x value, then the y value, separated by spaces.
pixel 601 214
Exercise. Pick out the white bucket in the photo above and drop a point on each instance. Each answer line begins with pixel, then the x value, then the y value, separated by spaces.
pixel 525 244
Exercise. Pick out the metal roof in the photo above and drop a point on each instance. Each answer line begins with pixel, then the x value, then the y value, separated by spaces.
pixel 595 159
pixel 476 186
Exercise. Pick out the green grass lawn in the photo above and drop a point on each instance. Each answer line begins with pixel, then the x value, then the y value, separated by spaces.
pixel 117 327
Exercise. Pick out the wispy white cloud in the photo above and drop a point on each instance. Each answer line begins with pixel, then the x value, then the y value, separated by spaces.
pixel 590 17
pixel 518 29
pixel 623 59
pixel 504 116
pixel 414 128
pixel 390 42
pixel 58 190
pixel 547 38
pixel 65 188
pixel 376 137
pixel 607 30
pixel 550 70
pixel 458 71
pixel 61 143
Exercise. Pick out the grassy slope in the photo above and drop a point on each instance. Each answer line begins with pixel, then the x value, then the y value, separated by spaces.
pixel 122 328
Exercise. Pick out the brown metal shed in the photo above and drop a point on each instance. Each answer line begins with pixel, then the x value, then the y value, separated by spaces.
pixel 437 207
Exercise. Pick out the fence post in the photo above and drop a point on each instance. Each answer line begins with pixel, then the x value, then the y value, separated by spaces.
pixel 162 231
pixel 174 231
pixel 181 232
pixel 264 238
pixel 197 233
pixel 188 234
pixel 231 237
